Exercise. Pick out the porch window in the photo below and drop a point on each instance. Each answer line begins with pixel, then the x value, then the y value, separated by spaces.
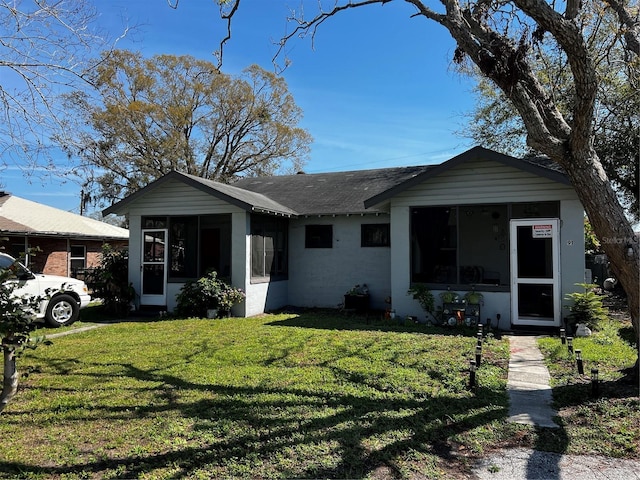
pixel 375 235
pixel 183 239
pixel 318 236
pixel 467 244
pixel 197 244
pixel 269 248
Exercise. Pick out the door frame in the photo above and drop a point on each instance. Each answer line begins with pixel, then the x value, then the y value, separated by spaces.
pixel 554 233
pixel 154 299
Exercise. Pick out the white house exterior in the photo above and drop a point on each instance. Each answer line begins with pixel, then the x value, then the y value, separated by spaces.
pixel 511 229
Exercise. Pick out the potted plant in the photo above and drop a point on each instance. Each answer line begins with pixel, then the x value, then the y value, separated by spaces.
pixel 449 296
pixel 425 298
pixel 357 298
pixel 473 297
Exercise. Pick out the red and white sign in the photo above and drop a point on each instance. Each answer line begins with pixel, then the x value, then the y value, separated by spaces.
pixel 542 231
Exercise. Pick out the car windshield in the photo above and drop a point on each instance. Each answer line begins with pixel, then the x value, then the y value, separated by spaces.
pixel 7 262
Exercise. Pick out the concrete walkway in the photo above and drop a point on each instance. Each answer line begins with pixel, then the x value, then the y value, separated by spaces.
pixel 528 384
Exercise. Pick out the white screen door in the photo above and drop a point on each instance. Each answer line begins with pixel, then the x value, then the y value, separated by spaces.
pixel 535 272
pixel 154 267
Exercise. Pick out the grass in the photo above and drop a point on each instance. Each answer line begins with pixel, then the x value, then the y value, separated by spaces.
pixel 280 396
pixel 606 421
pixel 315 395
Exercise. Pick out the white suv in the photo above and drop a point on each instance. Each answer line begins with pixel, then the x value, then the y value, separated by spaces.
pixel 68 295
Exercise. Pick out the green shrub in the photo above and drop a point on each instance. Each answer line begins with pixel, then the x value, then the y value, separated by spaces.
pixel 208 292
pixel 587 307
pixel 423 295
pixel 110 281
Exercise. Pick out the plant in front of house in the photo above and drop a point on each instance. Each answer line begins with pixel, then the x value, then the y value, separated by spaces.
pixel 587 307
pixel 425 298
pixel 207 293
pixel 110 281
pixel 473 297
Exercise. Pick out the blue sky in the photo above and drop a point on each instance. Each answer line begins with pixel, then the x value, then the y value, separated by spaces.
pixel 377 87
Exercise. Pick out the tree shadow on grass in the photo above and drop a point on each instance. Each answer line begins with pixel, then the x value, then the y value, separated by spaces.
pixel 265 431
pixel 369 321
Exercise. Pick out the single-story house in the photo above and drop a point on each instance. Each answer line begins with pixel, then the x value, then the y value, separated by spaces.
pixel 482 221
pixel 65 243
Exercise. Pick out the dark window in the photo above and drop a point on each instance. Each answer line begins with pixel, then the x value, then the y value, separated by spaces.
pixel 183 238
pixel 269 249
pixel 434 244
pixel 318 236
pixel 467 244
pixel 78 258
pixel 196 244
pixel 375 235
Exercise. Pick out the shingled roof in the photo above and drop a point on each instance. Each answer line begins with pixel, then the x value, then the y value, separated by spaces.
pixel 21 216
pixel 337 193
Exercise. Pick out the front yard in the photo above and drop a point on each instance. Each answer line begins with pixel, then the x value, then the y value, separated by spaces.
pixel 315 395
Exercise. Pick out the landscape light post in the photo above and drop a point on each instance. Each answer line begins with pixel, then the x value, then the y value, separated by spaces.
pixel 595 388
pixel 472 374
pixel 579 362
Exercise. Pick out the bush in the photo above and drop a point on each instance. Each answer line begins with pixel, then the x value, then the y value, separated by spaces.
pixel 208 292
pixel 110 281
pixel 587 307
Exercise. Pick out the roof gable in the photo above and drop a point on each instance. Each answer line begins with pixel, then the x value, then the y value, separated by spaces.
pixel 538 166
pixel 244 199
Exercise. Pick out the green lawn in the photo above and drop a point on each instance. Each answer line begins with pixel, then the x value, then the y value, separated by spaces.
pixel 316 395
pixel 275 397
pixel 605 421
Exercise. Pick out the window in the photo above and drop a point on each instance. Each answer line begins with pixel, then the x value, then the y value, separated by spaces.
pixel 375 235
pixel 467 244
pixel 196 244
pixel 183 252
pixel 318 236
pixel 269 250
pixel 78 258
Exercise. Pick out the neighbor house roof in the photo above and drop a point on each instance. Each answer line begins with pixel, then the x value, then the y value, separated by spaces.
pixel 21 216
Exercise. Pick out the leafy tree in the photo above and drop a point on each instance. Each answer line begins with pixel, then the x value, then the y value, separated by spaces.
pixel 498 37
pixel 497 124
pixel 154 115
pixel 16 325
pixel 45 46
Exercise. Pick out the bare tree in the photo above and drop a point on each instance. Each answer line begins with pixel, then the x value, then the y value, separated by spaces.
pixel 497 36
pixel 46 47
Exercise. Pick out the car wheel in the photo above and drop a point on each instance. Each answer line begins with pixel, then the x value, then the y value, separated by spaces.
pixel 62 310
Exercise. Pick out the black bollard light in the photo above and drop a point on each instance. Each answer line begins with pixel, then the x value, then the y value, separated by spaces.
pixel 479 337
pixel 478 356
pixel 563 337
pixel 472 374
pixel 595 387
pixel 570 345
pixel 579 362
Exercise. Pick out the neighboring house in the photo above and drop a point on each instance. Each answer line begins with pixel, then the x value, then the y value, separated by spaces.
pixel 65 243
pixel 511 229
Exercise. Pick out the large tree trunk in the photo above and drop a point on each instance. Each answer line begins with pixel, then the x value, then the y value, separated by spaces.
pixel 613 229
pixel 10 381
